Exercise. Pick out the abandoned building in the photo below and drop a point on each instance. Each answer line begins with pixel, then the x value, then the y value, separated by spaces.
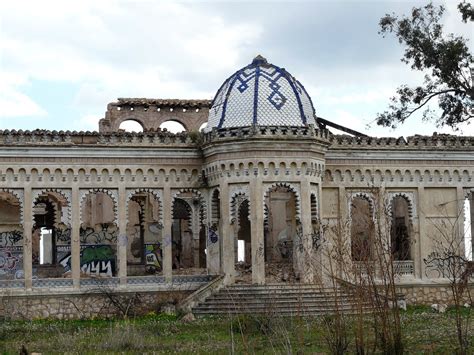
pixel 258 189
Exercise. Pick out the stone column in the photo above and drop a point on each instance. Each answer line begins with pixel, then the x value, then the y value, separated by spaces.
pixel 461 220
pixel 418 259
pixel 195 230
pixel 228 262
pixel 75 237
pixel 306 264
pixel 122 241
pixel 167 241
pixel 213 246
pixel 471 207
pixel 27 240
pixel 256 220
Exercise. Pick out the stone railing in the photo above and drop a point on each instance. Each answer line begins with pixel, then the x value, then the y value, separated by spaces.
pixel 404 267
pixel 439 141
pixel 277 132
pixel 106 282
pixel 68 138
pixel 400 267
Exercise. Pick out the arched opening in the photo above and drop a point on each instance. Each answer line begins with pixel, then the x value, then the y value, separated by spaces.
pixel 203 126
pixel 173 126
pixel 181 235
pixel 280 231
pixel 51 238
pixel 98 235
pixel 144 232
pixel 243 242
pixel 244 246
pixel 316 237
pixel 202 247
pixel 469 225
pixel 11 237
pixel 131 126
pixel 362 229
pixel 400 232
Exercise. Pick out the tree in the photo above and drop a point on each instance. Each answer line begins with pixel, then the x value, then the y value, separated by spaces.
pixel 446 60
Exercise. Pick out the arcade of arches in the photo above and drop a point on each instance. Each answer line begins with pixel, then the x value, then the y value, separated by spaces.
pixel 260 196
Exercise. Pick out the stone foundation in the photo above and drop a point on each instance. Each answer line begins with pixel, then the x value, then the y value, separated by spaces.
pixel 82 306
pixel 428 294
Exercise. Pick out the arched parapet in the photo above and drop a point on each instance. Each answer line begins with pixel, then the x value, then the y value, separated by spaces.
pixel 113 194
pixel 66 194
pixel 291 187
pixel 156 193
pixel 238 194
pixel 409 197
pixel 20 196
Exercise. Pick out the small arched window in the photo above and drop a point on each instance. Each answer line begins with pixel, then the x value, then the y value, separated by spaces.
pixel 131 126
pixel 173 126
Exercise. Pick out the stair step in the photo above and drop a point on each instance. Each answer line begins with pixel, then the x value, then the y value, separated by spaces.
pixel 279 299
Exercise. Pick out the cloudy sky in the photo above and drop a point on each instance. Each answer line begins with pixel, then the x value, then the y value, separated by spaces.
pixel 61 62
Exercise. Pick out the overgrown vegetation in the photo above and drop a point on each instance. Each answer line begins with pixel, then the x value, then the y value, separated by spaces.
pixel 424 331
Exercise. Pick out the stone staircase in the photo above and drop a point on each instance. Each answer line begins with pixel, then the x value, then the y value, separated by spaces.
pixel 277 299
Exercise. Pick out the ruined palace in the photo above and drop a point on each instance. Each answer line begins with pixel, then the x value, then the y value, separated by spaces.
pixel 257 189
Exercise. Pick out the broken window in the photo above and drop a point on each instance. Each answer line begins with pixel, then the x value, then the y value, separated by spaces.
pixel 362 229
pixel 11 238
pixel 98 235
pixel 400 229
pixel 144 234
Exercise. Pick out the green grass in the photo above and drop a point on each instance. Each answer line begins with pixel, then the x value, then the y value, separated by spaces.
pixel 423 332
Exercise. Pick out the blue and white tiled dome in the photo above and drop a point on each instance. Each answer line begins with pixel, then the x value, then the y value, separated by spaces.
pixel 261 94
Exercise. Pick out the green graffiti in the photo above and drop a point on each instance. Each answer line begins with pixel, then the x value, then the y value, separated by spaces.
pixel 99 253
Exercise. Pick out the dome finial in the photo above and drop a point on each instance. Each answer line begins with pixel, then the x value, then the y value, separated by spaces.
pixel 259 60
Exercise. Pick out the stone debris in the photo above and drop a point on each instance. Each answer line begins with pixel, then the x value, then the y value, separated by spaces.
pixel 188 318
pixel 440 308
pixel 169 309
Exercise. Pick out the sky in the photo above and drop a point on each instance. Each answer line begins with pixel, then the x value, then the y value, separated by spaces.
pixel 61 62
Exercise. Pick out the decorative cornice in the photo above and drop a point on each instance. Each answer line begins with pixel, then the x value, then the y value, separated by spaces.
pixel 434 142
pixel 162 102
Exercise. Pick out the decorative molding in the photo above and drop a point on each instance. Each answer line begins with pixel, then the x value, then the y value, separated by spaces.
pixel 19 194
pixel 293 187
pixel 409 197
pixel 237 195
pixel 112 193
pixel 66 217
pixel 366 196
pixel 157 193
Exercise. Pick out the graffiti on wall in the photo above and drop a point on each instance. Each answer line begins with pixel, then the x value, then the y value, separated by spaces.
pixel 11 262
pixel 10 238
pixel 63 235
pixel 213 236
pixel 153 258
pixel 97 260
pixel 101 234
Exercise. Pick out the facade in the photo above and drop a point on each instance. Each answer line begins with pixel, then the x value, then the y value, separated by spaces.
pixel 265 194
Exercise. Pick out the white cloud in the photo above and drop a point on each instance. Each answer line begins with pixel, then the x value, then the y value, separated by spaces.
pixel 120 48
pixel 13 103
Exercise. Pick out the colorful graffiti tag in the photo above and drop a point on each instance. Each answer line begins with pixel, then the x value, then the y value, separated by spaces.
pixel 153 258
pixel 97 260
pixel 11 262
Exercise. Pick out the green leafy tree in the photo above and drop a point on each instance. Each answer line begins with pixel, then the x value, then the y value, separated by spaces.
pixel 446 60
